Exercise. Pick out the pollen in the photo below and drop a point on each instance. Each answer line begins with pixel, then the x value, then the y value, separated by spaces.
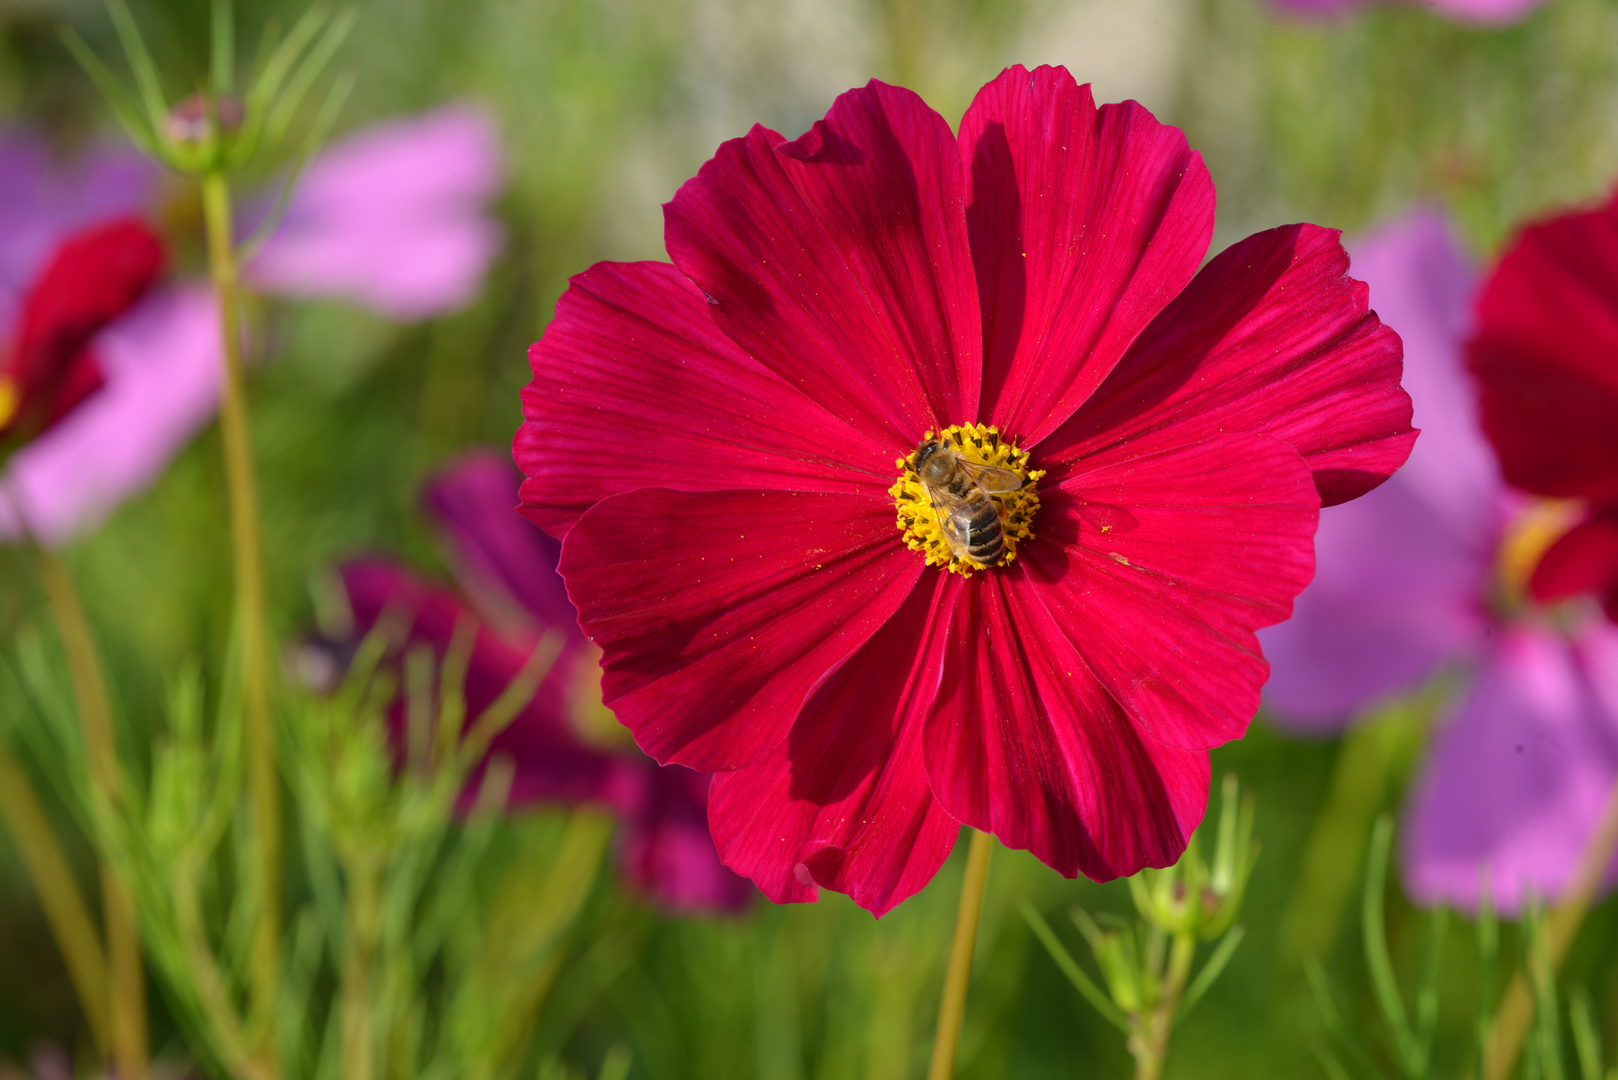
pixel 923 512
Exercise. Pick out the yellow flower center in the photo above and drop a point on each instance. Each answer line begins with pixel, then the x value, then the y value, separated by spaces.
pixel 9 400
pixel 1527 537
pixel 966 498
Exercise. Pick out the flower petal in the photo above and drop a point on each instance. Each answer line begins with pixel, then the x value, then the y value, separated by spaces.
pixel 1398 590
pixel 667 850
pixel 164 373
pixel 840 261
pixel 392 217
pixel 720 612
pixel 1158 569
pixel 505 564
pixel 1584 559
pixel 635 385
pixel 1517 779
pixel 843 802
pixel 1024 742
pixel 1543 354
pixel 1084 224
pixel 1273 337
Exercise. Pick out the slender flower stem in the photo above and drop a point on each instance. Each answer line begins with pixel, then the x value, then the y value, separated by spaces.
pixel 360 937
pixel 952 1009
pixel 59 895
pixel 1151 1048
pixel 251 603
pixel 126 983
pixel 1516 1013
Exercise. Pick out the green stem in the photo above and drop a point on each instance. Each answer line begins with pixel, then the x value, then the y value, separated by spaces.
pixel 1151 1046
pixel 360 939
pixel 952 1007
pixel 1516 1014
pixel 251 605
pixel 126 985
pixel 59 895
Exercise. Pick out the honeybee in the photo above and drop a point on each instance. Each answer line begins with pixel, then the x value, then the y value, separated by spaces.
pixel 963 496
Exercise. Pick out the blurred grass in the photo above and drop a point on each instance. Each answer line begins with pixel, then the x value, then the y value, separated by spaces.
pixel 607 105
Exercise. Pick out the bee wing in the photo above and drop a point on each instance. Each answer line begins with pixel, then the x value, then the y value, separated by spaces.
pixel 957 528
pixel 988 478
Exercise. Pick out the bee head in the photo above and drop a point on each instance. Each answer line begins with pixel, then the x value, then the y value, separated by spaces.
pixel 925 454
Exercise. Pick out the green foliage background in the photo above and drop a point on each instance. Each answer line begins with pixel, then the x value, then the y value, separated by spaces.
pixel 606 106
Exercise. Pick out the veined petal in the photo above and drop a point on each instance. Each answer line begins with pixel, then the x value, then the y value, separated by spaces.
pixel 843 802
pixel 1025 742
pixel 720 612
pixel 1159 569
pixel 634 385
pixel 840 261
pixel 1084 224
pixel 1272 337
pixel 1518 777
pixel 1547 335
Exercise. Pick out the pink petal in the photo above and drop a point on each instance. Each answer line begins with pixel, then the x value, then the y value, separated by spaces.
pixel 843 802
pixel 667 850
pixel 720 612
pixel 1084 224
pixel 1482 12
pixel 840 261
pixel 1025 742
pixel 392 217
pixel 1273 337
pixel 635 385
pixel 1518 777
pixel 163 372
pixel 1158 569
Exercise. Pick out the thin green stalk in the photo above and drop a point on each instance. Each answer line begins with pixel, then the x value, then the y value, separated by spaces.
pixel 952 1007
pixel 126 985
pixel 362 923
pixel 1516 1014
pixel 59 895
pixel 1151 1048
pixel 251 606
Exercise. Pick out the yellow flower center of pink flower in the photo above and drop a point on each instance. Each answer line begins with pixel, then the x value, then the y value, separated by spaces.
pixel 966 498
pixel 9 400
pixel 1527 537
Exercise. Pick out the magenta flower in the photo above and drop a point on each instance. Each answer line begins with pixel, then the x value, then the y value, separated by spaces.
pixel 1483 12
pixel 724 445
pixel 1427 573
pixel 392 217
pixel 564 746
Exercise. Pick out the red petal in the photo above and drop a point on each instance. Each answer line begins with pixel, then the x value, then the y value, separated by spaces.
pixel 843 801
pixel 1084 224
pixel 1272 337
pixel 1158 569
pixel 1024 742
pixel 840 261
pixel 635 385
pixel 1584 559
pixel 720 612
pixel 1546 356
pixel 94 277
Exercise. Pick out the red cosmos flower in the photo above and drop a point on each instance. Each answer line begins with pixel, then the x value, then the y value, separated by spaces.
pixel 723 445
pixel 47 368
pixel 1545 353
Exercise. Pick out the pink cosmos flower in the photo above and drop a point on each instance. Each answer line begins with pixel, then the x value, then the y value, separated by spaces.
pixel 1483 12
pixel 1425 574
pixel 563 746
pixel 392 217
pixel 724 445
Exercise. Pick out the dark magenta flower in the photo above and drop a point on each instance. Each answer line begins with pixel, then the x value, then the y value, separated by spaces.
pixel 724 446
pixel 47 368
pixel 1545 354
pixel 563 746
pixel 1427 574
